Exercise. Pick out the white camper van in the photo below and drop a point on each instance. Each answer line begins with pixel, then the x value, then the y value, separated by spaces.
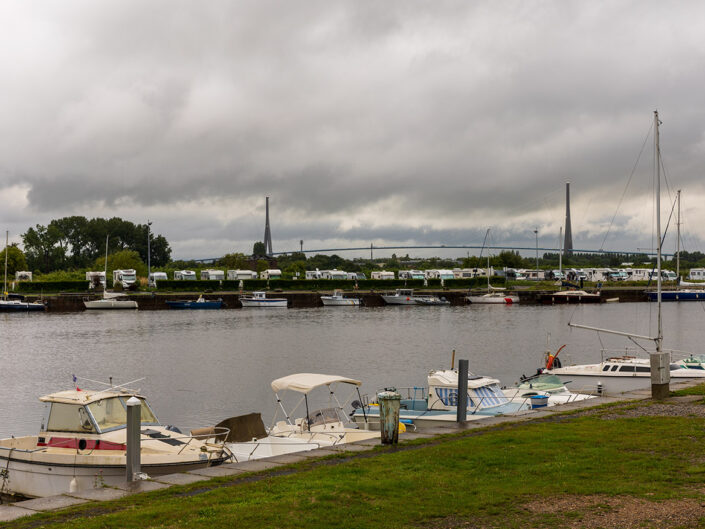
pixel 95 278
pixel 272 273
pixel 411 274
pixel 334 274
pixel 239 275
pixel 23 276
pixel 313 274
pixel 184 275
pixel 125 277
pixel 212 275
pixel 156 276
pixel 382 274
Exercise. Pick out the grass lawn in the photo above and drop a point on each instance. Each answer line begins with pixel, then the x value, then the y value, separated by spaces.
pixel 565 472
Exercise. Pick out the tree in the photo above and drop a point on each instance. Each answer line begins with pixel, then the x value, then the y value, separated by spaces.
pixel 122 260
pixel 258 250
pixel 15 260
pixel 234 261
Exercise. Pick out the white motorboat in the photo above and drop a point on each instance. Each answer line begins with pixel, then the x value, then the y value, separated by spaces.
pixel 402 296
pixel 324 427
pixel 81 445
pixel 338 300
pixel 437 404
pixel 260 299
pixel 543 385
pixel 619 374
pixel 110 300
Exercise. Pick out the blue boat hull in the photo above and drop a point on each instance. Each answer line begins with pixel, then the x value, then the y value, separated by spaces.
pixel 678 295
pixel 194 305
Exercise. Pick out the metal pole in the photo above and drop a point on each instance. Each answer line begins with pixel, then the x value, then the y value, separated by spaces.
pixel 149 255
pixel 134 422
pixel 4 283
pixel 301 242
pixel 462 390
pixel 536 232
pixel 659 361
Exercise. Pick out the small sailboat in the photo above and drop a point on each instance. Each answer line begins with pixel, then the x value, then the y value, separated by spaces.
pixel 617 374
pixel 15 302
pixel 109 300
pixel 494 295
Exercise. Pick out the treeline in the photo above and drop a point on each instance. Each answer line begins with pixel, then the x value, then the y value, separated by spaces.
pixel 77 242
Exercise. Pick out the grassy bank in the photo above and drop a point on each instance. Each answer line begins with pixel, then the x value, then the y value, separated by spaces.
pixel 558 473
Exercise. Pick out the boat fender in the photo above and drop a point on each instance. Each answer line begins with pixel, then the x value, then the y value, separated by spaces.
pixel 173 428
pixel 402 427
pixel 82 444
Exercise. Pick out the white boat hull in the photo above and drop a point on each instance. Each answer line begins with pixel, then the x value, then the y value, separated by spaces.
pixel 494 300
pixel 615 383
pixel 338 302
pixel 40 477
pixel 399 300
pixel 273 303
pixel 110 304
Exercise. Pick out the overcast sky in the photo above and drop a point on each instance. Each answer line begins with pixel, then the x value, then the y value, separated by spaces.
pixel 386 122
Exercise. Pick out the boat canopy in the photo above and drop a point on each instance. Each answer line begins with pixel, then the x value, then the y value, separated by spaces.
pixel 74 396
pixel 305 382
pixel 448 378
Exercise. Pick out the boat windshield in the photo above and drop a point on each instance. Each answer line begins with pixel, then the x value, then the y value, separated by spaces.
pixel 543 381
pixel 695 358
pixel 111 413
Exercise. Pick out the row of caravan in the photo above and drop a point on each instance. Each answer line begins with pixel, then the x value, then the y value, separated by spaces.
pixel 128 277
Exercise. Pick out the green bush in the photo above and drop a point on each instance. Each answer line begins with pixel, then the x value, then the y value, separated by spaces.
pixel 52 286
pixel 187 286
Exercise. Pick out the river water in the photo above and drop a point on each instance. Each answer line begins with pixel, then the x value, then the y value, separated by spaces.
pixel 202 366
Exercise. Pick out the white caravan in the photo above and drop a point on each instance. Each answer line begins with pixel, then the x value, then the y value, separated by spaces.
pixel 125 277
pixel 184 275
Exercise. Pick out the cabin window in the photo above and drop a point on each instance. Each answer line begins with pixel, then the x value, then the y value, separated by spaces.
pixel 628 369
pixel 111 413
pixel 69 418
pixel 606 368
pixel 614 368
pixel 643 369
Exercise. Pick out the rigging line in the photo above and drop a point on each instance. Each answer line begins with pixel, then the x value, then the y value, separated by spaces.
pixel 637 344
pixel 619 204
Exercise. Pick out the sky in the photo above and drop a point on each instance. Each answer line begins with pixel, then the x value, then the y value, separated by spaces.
pixel 391 123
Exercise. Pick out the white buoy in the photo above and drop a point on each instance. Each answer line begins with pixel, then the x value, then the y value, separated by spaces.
pixel 73 486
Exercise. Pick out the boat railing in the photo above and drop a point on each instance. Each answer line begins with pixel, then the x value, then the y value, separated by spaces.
pixel 633 352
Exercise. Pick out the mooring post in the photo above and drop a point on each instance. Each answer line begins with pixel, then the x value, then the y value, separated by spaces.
pixel 134 423
pixel 660 374
pixel 462 390
pixel 389 402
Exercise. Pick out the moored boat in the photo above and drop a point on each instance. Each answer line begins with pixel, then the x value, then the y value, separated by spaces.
pixel 570 296
pixel 15 302
pixel 109 300
pixel 402 296
pixel 323 427
pixel 260 299
pixel 81 445
pixel 337 299
pixel 198 304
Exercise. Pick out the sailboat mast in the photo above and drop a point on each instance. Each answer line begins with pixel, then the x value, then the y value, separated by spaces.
pixel 678 239
pixel 657 163
pixel 107 238
pixel 4 283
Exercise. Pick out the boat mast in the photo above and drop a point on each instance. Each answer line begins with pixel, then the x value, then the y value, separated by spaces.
pixel 107 237
pixel 678 240
pixel 657 163
pixel 4 283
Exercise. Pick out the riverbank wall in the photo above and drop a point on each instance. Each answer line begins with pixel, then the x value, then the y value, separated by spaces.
pixel 73 302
